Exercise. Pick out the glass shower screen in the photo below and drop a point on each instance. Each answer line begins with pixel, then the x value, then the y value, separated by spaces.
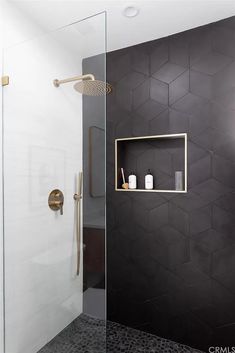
pixel 54 241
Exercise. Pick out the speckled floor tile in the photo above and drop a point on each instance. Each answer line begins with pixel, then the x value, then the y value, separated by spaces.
pixel 90 335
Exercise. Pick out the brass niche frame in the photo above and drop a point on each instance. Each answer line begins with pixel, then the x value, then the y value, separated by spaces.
pixel 168 136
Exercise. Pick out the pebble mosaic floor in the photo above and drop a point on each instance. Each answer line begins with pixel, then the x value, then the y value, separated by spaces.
pixel 90 335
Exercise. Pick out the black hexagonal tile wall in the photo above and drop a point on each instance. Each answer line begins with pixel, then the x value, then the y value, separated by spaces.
pixel 174 253
pixel 168 72
pixel 179 87
pixel 211 63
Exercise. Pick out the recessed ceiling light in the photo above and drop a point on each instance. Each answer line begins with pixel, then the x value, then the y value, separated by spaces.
pixel 131 11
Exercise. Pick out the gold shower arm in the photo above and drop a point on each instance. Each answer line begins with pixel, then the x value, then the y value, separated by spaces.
pixel 57 83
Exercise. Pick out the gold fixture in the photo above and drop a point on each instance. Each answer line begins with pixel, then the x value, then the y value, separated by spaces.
pixel 57 83
pixel 56 200
pixel 88 85
pixel 5 80
pixel 77 198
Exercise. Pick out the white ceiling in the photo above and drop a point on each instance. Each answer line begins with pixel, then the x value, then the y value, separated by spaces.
pixel 156 19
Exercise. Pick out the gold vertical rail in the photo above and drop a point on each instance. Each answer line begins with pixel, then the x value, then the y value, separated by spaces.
pixel 77 198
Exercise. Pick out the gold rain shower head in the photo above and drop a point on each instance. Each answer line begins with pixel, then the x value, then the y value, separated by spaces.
pixel 87 85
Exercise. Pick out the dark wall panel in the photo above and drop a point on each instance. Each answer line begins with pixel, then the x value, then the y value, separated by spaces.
pixel 93 189
pixel 171 257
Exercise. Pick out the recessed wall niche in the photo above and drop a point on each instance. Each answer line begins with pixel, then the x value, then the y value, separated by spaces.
pixel 162 154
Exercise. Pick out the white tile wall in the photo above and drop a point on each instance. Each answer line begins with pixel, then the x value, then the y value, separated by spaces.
pixel 43 151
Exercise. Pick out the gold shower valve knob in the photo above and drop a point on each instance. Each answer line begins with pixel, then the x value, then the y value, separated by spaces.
pixel 56 200
pixel 5 80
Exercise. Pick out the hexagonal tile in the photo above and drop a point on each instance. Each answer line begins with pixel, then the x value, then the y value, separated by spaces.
pixel 141 94
pixel 117 114
pixel 179 87
pixel 199 171
pixel 140 248
pixel 223 170
pixel 189 201
pixel 200 43
pixel 205 139
pixel 199 294
pixel 224 146
pixel 190 274
pixel 178 122
pixel 131 80
pixel 179 219
pixel 124 97
pixel 120 67
pixel 195 152
pixel 200 257
pixel 223 119
pixel 140 60
pixel 141 216
pixel 168 72
pixel 212 240
pixel 167 234
pixel 159 217
pixel 122 215
pixel 171 254
pixel 160 125
pixel 227 279
pixel 211 63
pixel 163 161
pixel 201 120
pixel 139 125
pixel 123 128
pixel 227 99
pixel 121 243
pixel 201 84
pixel 181 40
pixel 223 221
pixel 149 200
pixel 189 104
pixel 222 40
pixel 203 214
pixel 210 190
pixel 159 56
pixel 223 81
pixel 227 202
pixel 150 109
pixel 173 303
pixel 159 91
pixel 224 261
pixel 125 87
pixel 178 55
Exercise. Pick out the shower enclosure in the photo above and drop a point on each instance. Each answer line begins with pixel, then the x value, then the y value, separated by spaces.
pixel 47 148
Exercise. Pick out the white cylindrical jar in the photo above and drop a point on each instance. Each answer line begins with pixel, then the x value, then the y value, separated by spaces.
pixel 132 181
pixel 148 181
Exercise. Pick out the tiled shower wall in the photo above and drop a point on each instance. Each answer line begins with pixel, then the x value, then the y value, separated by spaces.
pixel 171 257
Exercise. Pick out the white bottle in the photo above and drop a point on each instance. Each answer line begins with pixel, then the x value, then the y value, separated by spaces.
pixel 148 180
pixel 132 181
